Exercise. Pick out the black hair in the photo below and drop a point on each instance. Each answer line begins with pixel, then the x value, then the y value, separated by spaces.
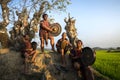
pixel 34 45
pixel 63 33
pixel 79 41
pixel 44 15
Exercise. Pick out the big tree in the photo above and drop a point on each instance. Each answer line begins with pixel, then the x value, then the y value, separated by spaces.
pixel 3 24
pixel 25 15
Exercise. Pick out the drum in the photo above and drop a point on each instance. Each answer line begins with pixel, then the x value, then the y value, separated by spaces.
pixel 88 56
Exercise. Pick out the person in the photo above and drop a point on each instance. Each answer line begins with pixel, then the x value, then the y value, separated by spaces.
pixel 29 52
pixel 75 55
pixel 62 46
pixel 82 71
pixel 44 32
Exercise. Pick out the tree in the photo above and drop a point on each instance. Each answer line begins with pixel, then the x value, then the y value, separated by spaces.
pixel 118 48
pixel 22 13
pixel 71 30
pixel 4 23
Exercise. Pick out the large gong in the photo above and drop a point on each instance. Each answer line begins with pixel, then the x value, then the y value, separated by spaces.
pixel 87 56
pixel 56 29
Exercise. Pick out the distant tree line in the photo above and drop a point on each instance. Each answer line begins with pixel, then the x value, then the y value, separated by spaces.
pixel 111 49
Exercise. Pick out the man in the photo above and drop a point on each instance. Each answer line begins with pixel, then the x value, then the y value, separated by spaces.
pixel 44 32
pixel 62 47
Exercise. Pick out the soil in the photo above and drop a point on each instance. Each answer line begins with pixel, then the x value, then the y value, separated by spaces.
pixel 12 68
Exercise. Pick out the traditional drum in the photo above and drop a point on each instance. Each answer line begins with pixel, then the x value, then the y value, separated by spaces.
pixel 88 56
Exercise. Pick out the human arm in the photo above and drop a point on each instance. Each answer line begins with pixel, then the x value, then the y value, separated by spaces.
pixel 58 44
pixel 75 57
pixel 42 24
pixel 76 54
pixel 32 52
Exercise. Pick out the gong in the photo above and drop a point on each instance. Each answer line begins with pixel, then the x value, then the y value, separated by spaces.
pixel 56 29
pixel 87 56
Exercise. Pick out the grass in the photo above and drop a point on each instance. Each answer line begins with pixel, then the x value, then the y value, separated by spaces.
pixel 108 63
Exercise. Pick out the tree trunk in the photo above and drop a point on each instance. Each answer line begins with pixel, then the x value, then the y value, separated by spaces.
pixel 4 38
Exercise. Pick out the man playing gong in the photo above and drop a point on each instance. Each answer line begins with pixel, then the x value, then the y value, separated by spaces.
pixel 44 32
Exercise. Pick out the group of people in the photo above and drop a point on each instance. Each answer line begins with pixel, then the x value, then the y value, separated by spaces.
pixel 62 46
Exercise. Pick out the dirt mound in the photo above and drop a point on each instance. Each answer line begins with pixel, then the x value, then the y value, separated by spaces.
pixel 3 51
pixel 12 66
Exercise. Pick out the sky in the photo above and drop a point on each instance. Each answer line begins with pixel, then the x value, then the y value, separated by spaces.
pixel 97 21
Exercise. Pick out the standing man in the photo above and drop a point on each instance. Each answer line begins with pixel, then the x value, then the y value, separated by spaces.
pixel 44 32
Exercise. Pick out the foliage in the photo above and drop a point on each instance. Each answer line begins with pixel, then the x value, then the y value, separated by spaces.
pixel 108 63
pixel 37 7
pixel 26 12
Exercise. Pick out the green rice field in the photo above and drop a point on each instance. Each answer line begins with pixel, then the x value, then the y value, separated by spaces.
pixel 108 63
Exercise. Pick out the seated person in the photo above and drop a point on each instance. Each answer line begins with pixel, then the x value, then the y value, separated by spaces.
pixel 29 51
pixel 30 48
pixel 75 55
pixel 82 70
pixel 62 47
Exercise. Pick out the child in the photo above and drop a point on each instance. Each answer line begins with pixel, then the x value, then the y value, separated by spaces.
pixel 75 55
pixel 29 51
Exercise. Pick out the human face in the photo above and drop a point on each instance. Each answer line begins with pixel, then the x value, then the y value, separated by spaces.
pixel 79 44
pixel 27 37
pixel 64 35
pixel 45 17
